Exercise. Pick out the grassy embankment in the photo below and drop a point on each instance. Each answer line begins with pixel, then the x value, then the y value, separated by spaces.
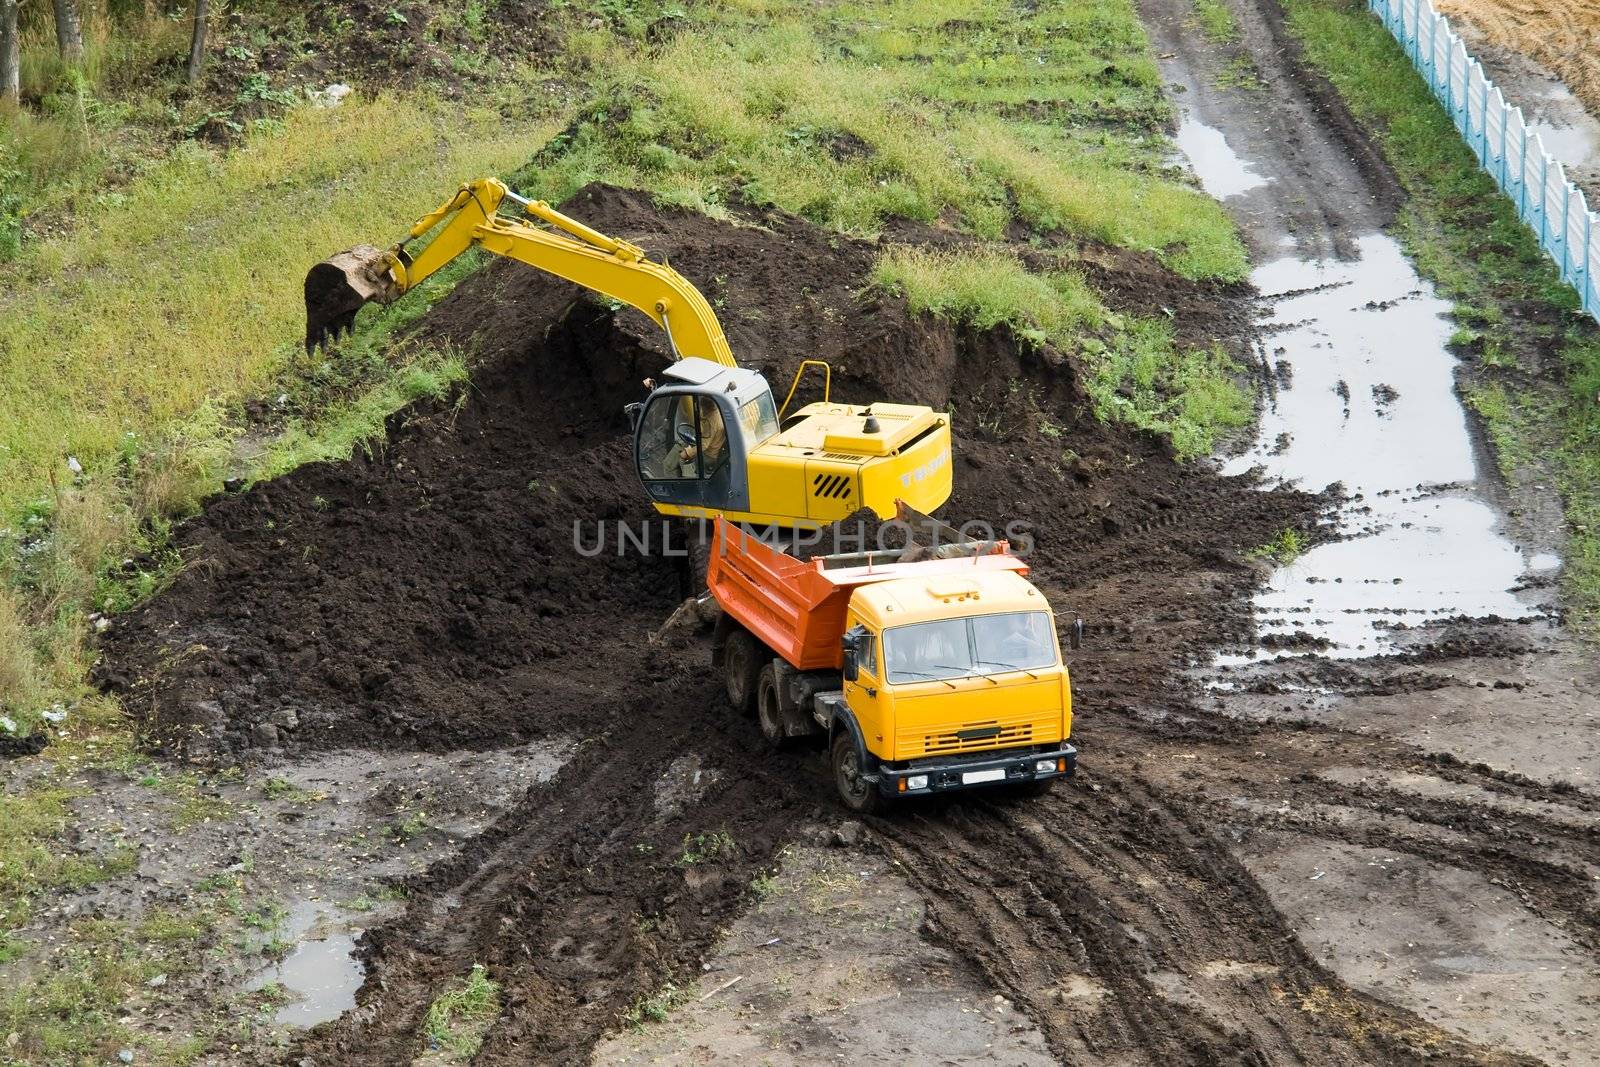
pixel 1520 324
pixel 134 333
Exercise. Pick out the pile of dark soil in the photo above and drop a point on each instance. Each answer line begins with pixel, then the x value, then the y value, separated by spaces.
pixel 434 595
pixel 437 593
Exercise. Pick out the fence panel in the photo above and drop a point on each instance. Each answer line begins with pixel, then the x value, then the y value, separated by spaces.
pixel 1552 206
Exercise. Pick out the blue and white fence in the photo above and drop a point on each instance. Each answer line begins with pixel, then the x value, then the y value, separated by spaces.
pixel 1552 206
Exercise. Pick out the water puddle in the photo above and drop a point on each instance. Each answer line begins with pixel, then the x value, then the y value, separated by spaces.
pixel 1365 396
pixel 321 974
pixel 1568 131
pixel 1574 146
pixel 1221 170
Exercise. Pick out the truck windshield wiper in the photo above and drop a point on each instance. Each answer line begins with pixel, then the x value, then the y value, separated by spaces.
pixel 1010 667
pixel 967 673
pixel 925 674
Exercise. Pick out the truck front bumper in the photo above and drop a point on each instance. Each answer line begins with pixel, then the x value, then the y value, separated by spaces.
pixel 974 772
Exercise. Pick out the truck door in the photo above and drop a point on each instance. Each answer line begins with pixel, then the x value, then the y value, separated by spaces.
pixel 864 695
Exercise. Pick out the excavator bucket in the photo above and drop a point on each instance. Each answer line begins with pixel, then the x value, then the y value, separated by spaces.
pixel 340 286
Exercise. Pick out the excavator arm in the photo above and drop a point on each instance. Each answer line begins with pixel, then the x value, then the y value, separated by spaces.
pixel 338 287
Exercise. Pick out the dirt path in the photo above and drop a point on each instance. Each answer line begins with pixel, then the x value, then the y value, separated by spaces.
pixel 1356 347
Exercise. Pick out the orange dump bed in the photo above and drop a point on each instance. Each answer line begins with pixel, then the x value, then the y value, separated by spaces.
pixel 797 607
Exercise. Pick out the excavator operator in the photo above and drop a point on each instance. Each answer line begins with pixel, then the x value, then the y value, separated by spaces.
pixel 713 437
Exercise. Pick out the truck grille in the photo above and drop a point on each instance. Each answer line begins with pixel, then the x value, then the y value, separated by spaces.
pixel 971 737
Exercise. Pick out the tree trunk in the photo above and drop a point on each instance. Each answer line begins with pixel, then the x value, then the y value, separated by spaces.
pixel 197 43
pixel 69 31
pixel 10 53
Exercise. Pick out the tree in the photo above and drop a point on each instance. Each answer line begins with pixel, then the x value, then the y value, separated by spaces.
pixel 197 43
pixel 10 53
pixel 69 31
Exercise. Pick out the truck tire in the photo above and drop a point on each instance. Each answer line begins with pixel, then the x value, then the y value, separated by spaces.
pixel 768 712
pixel 741 669
pixel 859 796
pixel 1037 788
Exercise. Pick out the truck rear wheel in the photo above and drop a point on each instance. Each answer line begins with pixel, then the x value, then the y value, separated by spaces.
pixel 858 794
pixel 768 712
pixel 741 669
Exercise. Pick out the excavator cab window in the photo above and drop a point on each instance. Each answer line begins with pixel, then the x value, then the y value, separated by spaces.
pixel 684 451
pixel 682 437
pixel 760 420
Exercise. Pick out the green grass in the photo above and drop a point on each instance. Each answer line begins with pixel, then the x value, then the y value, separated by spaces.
pixel 1136 373
pixel 1216 20
pixel 656 1007
pixel 1466 236
pixel 33 863
pixel 1284 549
pixel 462 1014
pixel 966 113
pixel 185 286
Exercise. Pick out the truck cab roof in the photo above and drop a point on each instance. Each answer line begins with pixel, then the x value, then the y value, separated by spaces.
pixel 900 601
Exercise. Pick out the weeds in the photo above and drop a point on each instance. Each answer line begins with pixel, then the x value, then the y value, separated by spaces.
pixel 656 1007
pixel 1137 374
pixel 1283 550
pixel 977 126
pixel 700 848
pixel 458 1019
pixel 1216 21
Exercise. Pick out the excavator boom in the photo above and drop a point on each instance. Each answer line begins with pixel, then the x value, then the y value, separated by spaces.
pixel 339 286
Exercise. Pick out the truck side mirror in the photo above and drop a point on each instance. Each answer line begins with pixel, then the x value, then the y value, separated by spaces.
pixel 1076 638
pixel 852 651
pixel 633 411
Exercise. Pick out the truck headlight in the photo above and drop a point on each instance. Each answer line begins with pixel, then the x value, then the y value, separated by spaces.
pixel 1044 766
pixel 920 781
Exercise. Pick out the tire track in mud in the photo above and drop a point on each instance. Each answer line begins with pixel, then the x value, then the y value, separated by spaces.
pixel 1116 914
pixel 596 889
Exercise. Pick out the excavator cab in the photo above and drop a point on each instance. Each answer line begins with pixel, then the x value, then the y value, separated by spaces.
pixel 693 437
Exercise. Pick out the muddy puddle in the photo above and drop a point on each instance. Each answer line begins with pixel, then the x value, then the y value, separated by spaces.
pixel 319 976
pixel 1222 171
pixel 1361 395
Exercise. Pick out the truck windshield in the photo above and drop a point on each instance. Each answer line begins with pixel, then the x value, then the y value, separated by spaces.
pixel 982 644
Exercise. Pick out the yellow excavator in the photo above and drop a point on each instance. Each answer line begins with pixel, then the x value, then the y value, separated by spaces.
pixel 709 439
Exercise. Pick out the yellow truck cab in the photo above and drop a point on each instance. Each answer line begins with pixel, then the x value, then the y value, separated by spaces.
pixel 926 670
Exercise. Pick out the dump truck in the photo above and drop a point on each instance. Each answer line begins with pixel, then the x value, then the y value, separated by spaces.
pixel 925 669
pixel 709 439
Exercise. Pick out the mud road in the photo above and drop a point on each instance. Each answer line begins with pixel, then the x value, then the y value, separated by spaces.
pixel 1322 816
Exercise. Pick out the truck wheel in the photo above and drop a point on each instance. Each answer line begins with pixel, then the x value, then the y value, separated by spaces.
pixel 1037 788
pixel 768 713
pixel 858 795
pixel 741 667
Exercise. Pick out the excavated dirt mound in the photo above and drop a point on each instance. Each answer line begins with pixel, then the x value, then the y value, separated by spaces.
pixel 431 595
pixel 437 593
